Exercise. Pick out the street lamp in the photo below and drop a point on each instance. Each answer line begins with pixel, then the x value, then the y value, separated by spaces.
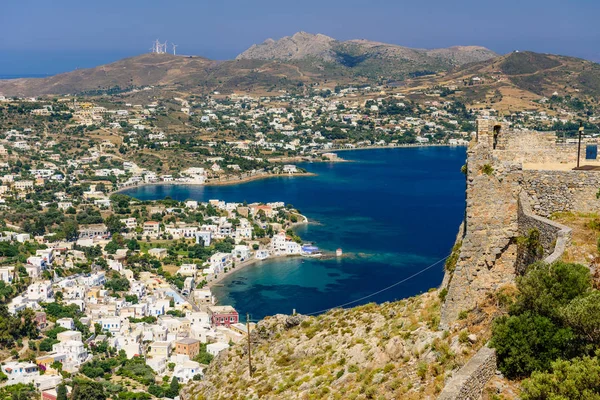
pixel 579 143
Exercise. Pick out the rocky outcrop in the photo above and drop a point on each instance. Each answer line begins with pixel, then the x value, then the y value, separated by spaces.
pixel 304 45
pixel 300 45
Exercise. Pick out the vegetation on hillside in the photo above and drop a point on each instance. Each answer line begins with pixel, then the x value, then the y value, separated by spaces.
pixel 552 333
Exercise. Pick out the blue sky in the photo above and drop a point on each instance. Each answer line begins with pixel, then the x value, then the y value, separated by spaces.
pixel 52 36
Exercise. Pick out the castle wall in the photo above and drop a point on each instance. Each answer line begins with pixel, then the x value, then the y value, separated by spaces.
pixel 489 252
pixel 556 191
pixel 554 237
pixel 504 202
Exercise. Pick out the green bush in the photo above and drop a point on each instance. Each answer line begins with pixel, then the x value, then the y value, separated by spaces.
pixel 545 288
pixel 583 316
pixel 575 379
pixel 529 342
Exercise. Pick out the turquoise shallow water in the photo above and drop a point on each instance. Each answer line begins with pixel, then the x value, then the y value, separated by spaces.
pixel 392 211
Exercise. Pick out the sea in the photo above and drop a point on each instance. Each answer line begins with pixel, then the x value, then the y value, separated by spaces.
pixel 17 76
pixel 394 213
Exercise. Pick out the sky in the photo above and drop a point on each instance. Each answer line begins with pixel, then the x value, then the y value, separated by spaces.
pixel 52 36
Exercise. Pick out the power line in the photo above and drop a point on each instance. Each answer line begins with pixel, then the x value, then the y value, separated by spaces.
pixel 382 290
pixel 374 293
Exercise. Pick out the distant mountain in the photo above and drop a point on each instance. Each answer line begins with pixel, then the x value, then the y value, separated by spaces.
pixel 364 56
pixel 304 59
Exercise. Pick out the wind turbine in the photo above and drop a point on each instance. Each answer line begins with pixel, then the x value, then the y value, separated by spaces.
pixel 174 47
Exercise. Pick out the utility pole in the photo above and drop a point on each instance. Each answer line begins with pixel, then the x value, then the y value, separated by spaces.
pixel 249 351
pixel 579 143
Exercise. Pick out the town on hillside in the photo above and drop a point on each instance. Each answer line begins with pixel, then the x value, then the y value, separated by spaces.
pixel 99 286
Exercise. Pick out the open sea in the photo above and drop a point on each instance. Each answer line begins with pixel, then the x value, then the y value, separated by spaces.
pixel 394 212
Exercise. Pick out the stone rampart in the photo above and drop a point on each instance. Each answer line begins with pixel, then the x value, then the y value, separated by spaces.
pixel 488 253
pixel 557 191
pixel 469 381
pixel 497 214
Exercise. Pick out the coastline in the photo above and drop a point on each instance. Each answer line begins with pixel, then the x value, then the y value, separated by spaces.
pixel 238 180
pixel 242 265
pixel 399 146
pixel 216 183
pixel 253 261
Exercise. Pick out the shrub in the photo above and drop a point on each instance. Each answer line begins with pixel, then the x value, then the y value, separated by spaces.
pixel 583 316
pixel 575 379
pixel 487 169
pixel 528 342
pixel 545 288
pixel 443 293
pixel 452 259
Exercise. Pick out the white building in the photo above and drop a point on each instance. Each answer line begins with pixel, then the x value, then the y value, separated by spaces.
pixel 216 348
pixel 219 261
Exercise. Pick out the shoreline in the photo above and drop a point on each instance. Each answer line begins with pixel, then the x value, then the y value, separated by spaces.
pixel 242 265
pixel 253 261
pixel 399 146
pixel 216 183
pixel 267 176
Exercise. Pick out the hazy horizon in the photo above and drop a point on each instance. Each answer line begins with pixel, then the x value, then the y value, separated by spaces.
pixel 45 38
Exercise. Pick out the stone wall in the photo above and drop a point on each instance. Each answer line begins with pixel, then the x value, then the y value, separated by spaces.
pixel 556 191
pixel 489 257
pixel 469 381
pixel 531 147
pixel 554 237
pixel 488 253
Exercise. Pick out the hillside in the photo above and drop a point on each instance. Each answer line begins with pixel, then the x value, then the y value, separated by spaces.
pixel 517 81
pixel 164 71
pixel 386 351
pixel 364 57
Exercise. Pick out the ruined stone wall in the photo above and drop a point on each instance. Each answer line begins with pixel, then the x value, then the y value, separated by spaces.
pixel 488 254
pixel 531 147
pixel 489 257
pixel 556 191
pixel 469 381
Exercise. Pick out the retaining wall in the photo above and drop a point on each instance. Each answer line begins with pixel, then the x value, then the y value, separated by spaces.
pixel 469 381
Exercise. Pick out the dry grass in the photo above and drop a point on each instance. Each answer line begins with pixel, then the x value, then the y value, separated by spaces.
pixel 586 231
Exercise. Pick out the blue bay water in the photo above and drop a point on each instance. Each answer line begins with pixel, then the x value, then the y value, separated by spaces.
pixel 394 212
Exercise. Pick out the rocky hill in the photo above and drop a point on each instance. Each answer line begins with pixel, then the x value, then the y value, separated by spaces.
pixel 351 53
pixel 386 351
pixel 296 47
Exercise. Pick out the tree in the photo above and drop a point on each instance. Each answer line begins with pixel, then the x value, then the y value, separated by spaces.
pixel 133 245
pixel 86 390
pixel 111 247
pixel 528 342
pixel 113 224
pixel 61 392
pixel 173 390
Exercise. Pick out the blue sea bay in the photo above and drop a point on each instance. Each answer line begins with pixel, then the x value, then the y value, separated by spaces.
pixel 394 212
